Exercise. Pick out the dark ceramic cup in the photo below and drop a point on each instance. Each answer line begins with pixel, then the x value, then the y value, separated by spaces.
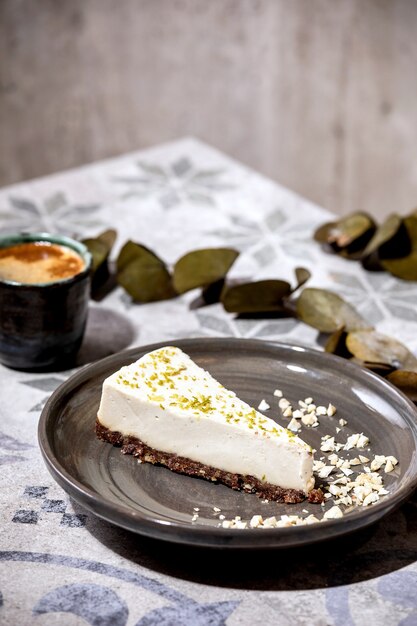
pixel 42 324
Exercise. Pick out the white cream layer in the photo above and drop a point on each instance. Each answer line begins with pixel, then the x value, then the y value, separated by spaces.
pixel 173 405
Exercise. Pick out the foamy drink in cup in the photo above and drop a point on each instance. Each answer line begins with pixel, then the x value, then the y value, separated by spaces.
pixel 44 294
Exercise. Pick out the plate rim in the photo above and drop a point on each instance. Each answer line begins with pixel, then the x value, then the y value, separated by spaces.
pixel 199 535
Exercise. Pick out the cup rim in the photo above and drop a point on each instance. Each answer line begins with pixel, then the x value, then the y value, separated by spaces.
pixel 27 237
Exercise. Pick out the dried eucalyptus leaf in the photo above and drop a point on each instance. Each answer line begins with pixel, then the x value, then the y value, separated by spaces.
pixel 351 228
pixel 405 268
pixel 302 275
pixel 373 347
pixel 336 343
pixel 383 369
pixel 98 250
pixel 410 222
pixel 100 247
pixel 327 311
pixel 400 245
pixel 372 262
pixel 322 234
pixel 263 296
pixel 108 237
pixel 348 236
pixel 202 267
pixel 211 294
pixel 351 254
pixel 406 381
pixel 383 234
pixel 143 274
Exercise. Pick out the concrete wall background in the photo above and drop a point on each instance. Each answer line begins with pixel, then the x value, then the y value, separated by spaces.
pixel 320 95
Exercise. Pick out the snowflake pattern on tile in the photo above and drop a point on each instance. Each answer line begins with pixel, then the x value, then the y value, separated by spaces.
pixel 377 295
pixel 52 215
pixel 181 181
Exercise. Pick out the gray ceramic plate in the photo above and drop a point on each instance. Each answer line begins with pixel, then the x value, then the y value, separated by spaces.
pixel 156 502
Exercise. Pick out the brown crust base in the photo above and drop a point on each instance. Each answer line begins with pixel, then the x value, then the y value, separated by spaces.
pixel 182 465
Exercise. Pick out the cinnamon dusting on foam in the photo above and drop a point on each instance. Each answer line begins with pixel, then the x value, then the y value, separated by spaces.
pixel 39 262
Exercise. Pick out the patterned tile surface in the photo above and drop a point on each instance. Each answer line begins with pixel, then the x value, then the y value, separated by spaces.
pixel 54 557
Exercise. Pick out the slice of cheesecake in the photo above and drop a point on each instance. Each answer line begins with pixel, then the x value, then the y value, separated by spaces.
pixel 166 409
